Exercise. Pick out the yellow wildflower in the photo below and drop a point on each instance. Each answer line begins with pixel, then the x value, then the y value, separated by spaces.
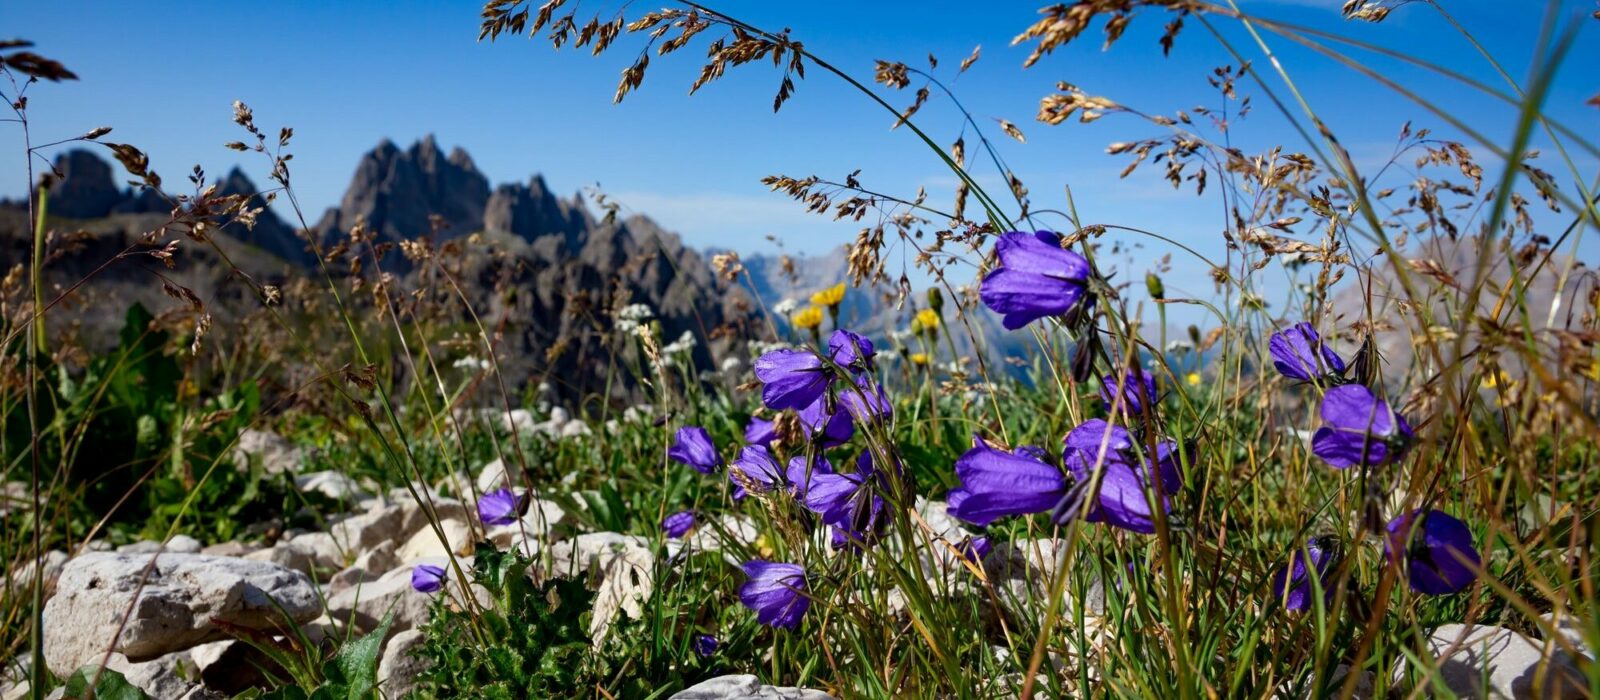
pixel 919 358
pixel 926 321
pixel 1193 378
pixel 829 297
pixel 810 318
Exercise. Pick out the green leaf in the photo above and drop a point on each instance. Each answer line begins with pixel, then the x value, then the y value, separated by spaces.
pixel 358 661
pixel 109 686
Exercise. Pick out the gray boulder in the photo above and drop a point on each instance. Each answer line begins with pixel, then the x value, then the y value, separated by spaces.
pixel 746 688
pixel 176 607
pixel 1494 662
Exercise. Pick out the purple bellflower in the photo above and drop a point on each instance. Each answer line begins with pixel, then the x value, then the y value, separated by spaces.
pixel 693 447
pixel 1438 551
pixel 1137 388
pixel 427 578
pixel 1037 278
pixel 849 503
pixel 791 378
pixel 1358 428
pixel 1299 354
pixel 760 431
pixel 776 592
pixel 836 428
pixel 756 467
pixel 499 507
pixel 705 645
pixel 852 351
pixel 678 524
pixel 1295 584
pixel 996 483
pixel 1126 488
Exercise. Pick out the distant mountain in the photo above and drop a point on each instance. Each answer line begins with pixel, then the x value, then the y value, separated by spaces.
pixel 545 271
pixel 1553 303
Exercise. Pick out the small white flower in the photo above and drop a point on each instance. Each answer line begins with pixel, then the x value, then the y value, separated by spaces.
pixel 683 345
pixel 636 312
pixel 472 363
pixel 1178 346
pixel 731 365
pixel 785 307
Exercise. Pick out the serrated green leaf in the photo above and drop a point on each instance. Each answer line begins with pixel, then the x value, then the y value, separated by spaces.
pixel 109 685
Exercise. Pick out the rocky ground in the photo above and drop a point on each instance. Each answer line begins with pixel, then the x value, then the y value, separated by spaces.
pixel 168 615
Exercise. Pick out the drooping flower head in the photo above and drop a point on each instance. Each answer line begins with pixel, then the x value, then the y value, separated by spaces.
pixel 1299 354
pixel 800 475
pixel 1358 428
pixel 776 592
pixel 852 351
pixel 499 507
pixel 849 503
pixel 678 524
pixel 756 468
pixel 1126 482
pixel 996 483
pixel 1136 387
pixel 760 431
pixel 1438 551
pixel 705 645
pixel 835 428
pixel 975 549
pixel 1037 278
pixel 791 378
pixel 865 401
pixel 427 578
pixel 693 447
pixel 1295 584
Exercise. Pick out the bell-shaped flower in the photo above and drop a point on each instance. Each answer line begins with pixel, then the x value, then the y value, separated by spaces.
pixel 1295 584
pixel 1299 354
pixel 776 592
pixel 1359 428
pixel 693 446
pixel 499 507
pixel 791 378
pixel 1438 552
pixel 996 483
pixel 1037 278
pixel 678 524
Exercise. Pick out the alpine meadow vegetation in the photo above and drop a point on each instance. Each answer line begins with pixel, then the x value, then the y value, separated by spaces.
pixel 1028 484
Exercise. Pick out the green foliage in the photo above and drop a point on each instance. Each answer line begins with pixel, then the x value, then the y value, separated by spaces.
pixel 105 683
pixel 532 640
pixel 352 673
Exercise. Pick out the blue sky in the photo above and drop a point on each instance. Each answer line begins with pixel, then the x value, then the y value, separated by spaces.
pixel 346 75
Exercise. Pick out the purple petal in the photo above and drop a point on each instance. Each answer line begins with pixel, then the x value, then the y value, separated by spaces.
pixel 693 447
pixel 776 592
pixel 791 378
pixel 427 578
pixel 760 431
pixel 499 507
pixel 678 524
pixel 836 427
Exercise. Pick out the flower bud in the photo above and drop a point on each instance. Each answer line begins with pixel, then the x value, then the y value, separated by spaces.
pixel 935 300
pixel 1152 282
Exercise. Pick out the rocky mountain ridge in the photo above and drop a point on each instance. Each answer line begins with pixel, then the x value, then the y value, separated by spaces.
pixel 551 270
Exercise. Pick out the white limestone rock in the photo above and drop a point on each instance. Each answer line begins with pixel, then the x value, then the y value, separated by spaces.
pixel 334 485
pixel 398 669
pixel 745 688
pixel 1495 662
pixel 277 454
pixel 174 609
